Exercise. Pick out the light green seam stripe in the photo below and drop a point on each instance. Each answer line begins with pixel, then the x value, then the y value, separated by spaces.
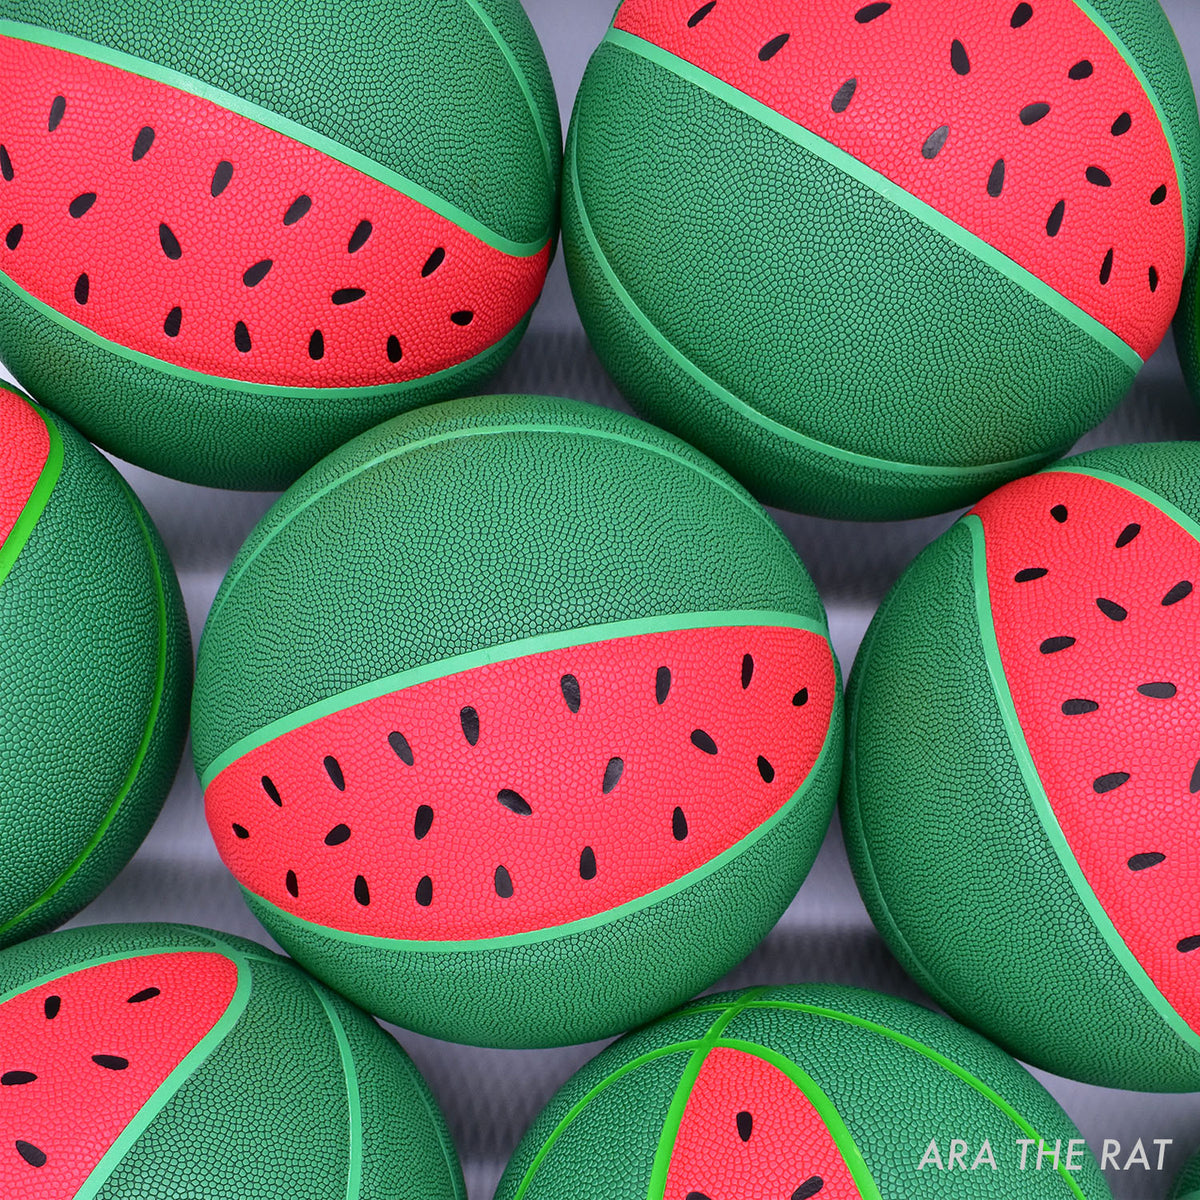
pixel 948 1064
pixel 166 1090
pixel 445 667
pixel 570 928
pixel 143 747
pixel 1041 803
pixel 264 116
pixel 1176 514
pixel 255 389
pixel 353 1099
pixel 19 534
pixel 890 191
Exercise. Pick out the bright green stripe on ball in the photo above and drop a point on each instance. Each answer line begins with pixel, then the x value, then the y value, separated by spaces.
pixel 903 199
pixel 1041 802
pixel 353 1099
pixel 264 116
pixel 1164 505
pixel 18 535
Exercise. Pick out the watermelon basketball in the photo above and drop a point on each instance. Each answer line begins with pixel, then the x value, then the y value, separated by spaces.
pixel 517 721
pixel 156 1062
pixel 95 671
pixel 233 236
pixel 879 258
pixel 1187 1184
pixel 1187 331
pixel 800 1092
pixel 1022 796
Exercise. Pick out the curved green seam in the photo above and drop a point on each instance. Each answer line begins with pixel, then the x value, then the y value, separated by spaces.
pixel 1173 511
pixel 353 1098
pixel 569 928
pixel 888 190
pixel 329 394
pixel 19 31
pixel 526 647
pixel 1041 803
pixel 143 748
pixel 22 528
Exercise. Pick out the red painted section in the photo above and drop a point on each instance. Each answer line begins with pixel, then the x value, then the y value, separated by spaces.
pixel 789 1150
pixel 24 448
pixel 133 285
pixel 532 744
pixel 1153 740
pixel 75 1108
pixel 907 86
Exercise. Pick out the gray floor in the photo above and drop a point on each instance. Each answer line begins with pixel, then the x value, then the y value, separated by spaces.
pixel 490 1096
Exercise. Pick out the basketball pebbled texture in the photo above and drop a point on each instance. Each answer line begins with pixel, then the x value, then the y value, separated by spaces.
pixel 172 1061
pixel 532 712
pixel 809 1091
pixel 1187 332
pixel 858 333
pixel 1022 765
pixel 271 258
pixel 1187 1183
pixel 95 672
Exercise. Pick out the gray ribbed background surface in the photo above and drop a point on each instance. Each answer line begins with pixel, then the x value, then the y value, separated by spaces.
pixel 490 1096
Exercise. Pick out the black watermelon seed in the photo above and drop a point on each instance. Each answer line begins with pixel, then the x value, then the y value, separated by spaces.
pixel 773 47
pixel 1059 513
pixel 292 884
pixel 1055 220
pixel 1188 944
pixel 1106 267
pixel 1194 786
pixel 334 770
pixel 16 1078
pixel 110 1062
pixel 403 751
pixel 1128 534
pixel 1159 195
pixel 174 322
pixel 702 741
pixel 1181 591
pixel 434 261
pixel 425 891
pixel 587 863
pixel 142 143
pixel 254 275
pixel 843 96
pixel 696 1196
pixel 1110 783
pixel 358 239
pixel 701 13
pixel 504 883
pixel 57 109
pixel 1122 125
pixel 800 699
pixel 870 12
pixel 934 142
pixel 1154 279
pixel 570 692
pixel 83 287
pixel 394 350
pixel 422 822
pixel 1098 177
pixel 612 774
pixel 1031 114
pixel 1159 691
pixel 12 239
pixel 316 345
pixel 272 790
pixel 766 770
pixel 240 831
pixel 1055 644
pixel 995 183
pixel 514 802
pixel 1021 16
pixel 809 1188
pixel 51 1006
pixel 747 670
pixel 81 204
pixel 299 208
pixel 1030 574
pixel 679 825
pixel 1081 70
pixel 1142 862
pixel 241 337
pixel 1111 609
pixel 169 243
pixel 469 720
pixel 662 684
pixel 221 177
pixel 745 1125
pixel 959 59
pixel 348 295
pixel 1077 708
pixel 337 835
pixel 362 893
pixel 6 167
pixel 31 1154
pixel 463 317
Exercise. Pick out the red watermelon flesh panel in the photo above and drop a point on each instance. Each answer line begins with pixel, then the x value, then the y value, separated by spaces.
pixel 749 1131
pixel 158 263
pixel 1112 717
pixel 540 790
pixel 81 1055
pixel 880 80
pixel 24 448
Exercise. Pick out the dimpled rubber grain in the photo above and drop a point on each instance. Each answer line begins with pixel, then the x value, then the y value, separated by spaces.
pixel 892 1098
pixel 268 1112
pixel 1187 331
pixel 1187 1183
pixel 24 452
pixel 88 608
pixel 950 854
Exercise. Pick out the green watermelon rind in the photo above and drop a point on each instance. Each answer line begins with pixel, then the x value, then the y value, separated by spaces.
pixel 1187 1182
pixel 18 535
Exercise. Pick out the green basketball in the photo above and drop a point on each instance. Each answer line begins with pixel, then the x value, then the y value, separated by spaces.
pixel 95 671
pixel 878 259
pixel 804 1092
pixel 158 1062
pixel 1187 1184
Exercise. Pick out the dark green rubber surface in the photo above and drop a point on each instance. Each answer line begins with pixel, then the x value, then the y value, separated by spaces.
pixel 1187 1184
